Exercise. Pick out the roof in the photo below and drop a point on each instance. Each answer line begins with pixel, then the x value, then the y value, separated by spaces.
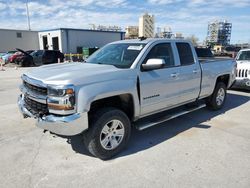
pixel 150 40
pixel 21 30
pixel 92 30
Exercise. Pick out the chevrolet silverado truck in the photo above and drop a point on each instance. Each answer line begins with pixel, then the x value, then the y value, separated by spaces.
pixel 243 70
pixel 141 83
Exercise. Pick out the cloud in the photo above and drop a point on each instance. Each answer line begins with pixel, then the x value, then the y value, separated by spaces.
pixel 2 6
pixel 186 16
pixel 163 2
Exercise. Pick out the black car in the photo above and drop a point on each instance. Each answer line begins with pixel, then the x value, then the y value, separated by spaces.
pixel 44 57
pixel 25 59
pixel 39 57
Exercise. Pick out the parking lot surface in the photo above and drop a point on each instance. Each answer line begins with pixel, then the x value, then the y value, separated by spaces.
pixel 201 149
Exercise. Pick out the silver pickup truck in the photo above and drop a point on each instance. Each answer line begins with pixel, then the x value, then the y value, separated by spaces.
pixel 125 83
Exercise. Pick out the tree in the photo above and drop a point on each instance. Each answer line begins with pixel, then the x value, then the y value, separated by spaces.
pixel 193 39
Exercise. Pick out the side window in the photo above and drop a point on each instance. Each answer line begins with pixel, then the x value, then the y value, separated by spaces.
pixel 185 53
pixel 162 51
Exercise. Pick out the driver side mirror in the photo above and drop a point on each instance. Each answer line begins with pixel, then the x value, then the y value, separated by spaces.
pixel 152 64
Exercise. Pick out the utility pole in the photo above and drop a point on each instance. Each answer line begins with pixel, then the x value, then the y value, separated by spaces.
pixel 28 14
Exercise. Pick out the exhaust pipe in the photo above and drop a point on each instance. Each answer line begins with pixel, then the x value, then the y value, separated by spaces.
pixel 248 83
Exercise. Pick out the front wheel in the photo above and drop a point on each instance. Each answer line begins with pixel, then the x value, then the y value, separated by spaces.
pixel 108 133
pixel 217 99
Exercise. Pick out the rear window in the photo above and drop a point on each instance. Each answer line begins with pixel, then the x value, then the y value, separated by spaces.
pixel 204 52
pixel 185 53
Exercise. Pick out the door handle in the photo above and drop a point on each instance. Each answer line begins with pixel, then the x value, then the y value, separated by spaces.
pixel 195 71
pixel 174 75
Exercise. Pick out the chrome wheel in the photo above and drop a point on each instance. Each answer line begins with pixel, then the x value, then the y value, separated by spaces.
pixel 112 134
pixel 220 96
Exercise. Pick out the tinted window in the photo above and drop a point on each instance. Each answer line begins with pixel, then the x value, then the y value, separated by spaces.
pixel 204 52
pixel 49 53
pixel 185 53
pixel 162 51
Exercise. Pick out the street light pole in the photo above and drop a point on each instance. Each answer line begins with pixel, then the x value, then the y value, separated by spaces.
pixel 28 14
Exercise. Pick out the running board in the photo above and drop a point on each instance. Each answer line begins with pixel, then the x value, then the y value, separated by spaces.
pixel 141 125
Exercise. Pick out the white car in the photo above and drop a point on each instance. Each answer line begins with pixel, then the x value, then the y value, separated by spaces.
pixel 243 69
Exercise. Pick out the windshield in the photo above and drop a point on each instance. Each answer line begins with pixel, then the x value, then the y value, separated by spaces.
pixel 36 53
pixel 244 55
pixel 119 55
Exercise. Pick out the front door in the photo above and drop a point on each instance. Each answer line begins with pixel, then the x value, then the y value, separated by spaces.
pixel 159 88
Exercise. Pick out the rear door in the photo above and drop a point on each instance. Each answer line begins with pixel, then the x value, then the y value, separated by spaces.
pixel 190 73
pixel 159 88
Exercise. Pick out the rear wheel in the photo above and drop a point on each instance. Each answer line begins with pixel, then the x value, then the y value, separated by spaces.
pixel 217 99
pixel 108 133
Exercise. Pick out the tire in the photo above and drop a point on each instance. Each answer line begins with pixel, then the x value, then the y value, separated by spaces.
pixel 100 139
pixel 218 98
pixel 24 64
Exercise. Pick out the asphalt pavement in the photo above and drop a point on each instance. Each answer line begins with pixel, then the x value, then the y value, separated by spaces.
pixel 201 149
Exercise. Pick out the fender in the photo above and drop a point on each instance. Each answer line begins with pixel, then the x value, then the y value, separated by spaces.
pixel 90 93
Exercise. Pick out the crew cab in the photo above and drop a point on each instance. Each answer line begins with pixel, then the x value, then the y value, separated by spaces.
pixel 127 83
pixel 243 69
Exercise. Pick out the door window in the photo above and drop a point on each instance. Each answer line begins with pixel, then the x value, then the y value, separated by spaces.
pixel 162 51
pixel 185 54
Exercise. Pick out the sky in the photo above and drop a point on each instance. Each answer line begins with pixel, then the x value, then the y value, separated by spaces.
pixel 189 17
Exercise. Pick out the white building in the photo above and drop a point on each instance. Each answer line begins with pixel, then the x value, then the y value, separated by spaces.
pixel 11 39
pixel 69 40
pixel 146 26
pixel 132 32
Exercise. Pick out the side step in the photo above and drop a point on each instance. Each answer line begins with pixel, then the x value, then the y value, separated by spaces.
pixel 144 124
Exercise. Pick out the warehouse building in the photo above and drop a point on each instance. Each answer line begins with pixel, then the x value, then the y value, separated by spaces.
pixel 69 40
pixel 11 39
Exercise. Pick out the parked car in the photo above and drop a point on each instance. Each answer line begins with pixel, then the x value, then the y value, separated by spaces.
pixel 44 57
pixel 25 59
pixel 39 57
pixel 6 56
pixel 13 57
pixel 243 69
pixel 1 54
pixel 125 83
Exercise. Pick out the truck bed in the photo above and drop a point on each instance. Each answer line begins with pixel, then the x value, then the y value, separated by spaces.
pixel 213 59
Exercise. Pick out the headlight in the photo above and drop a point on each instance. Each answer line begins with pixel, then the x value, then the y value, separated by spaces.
pixel 61 100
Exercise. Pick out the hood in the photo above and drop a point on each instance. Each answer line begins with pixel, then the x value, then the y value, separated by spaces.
pixel 78 73
pixel 243 64
pixel 23 52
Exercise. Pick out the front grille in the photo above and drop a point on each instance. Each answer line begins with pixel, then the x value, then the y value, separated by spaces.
pixel 35 89
pixel 35 107
pixel 242 73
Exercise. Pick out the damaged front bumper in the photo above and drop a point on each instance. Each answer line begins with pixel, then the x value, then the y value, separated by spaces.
pixel 68 125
